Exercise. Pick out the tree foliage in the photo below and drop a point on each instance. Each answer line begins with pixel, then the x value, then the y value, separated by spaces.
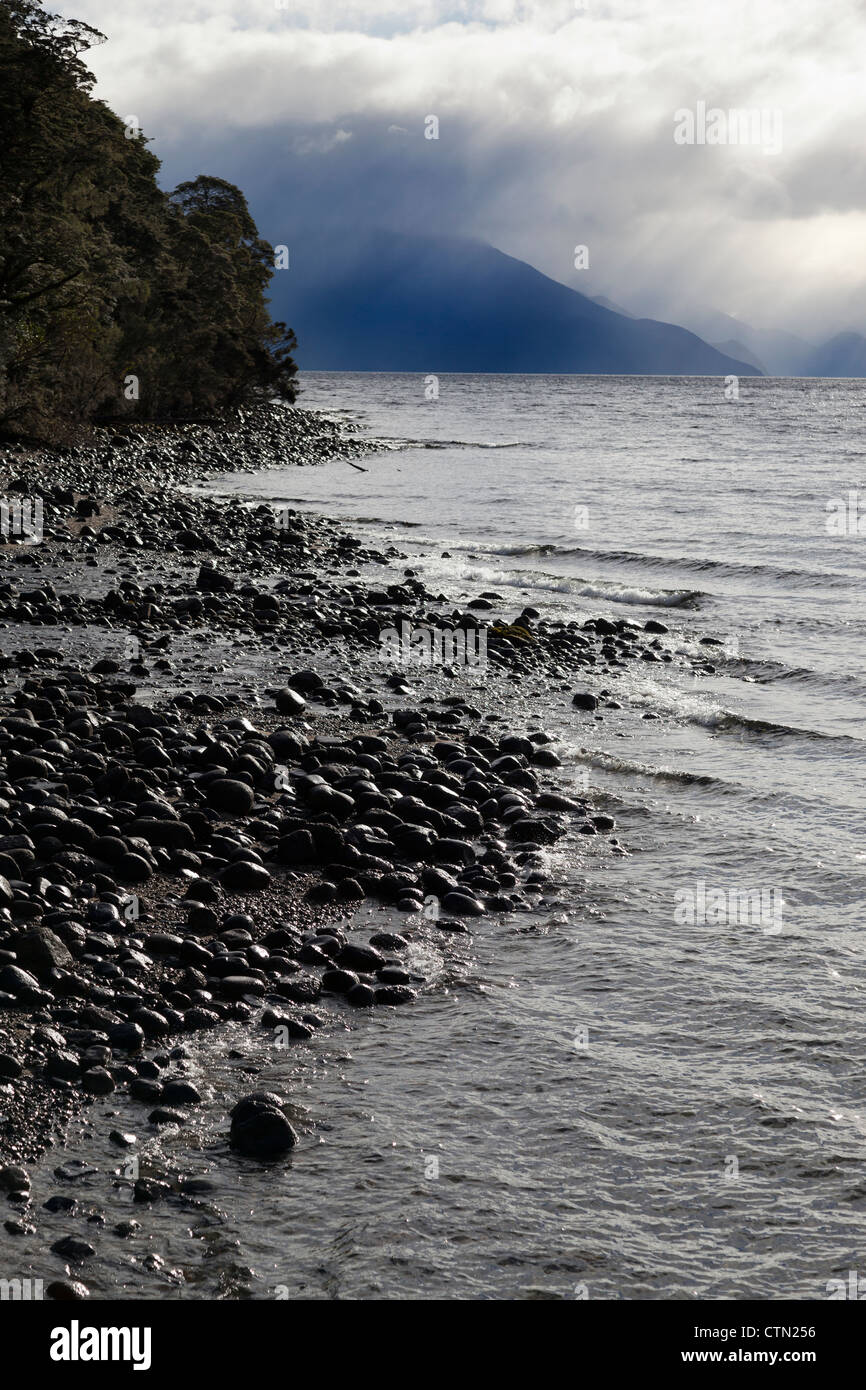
pixel 104 277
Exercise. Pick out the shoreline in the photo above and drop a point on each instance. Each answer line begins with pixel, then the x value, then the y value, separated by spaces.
pixel 183 837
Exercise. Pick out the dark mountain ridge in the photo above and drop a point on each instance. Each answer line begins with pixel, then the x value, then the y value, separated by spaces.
pixel 385 301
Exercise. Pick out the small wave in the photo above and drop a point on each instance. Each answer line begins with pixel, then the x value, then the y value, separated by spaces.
pixel 539 580
pixel 611 762
pixel 517 551
pixel 726 721
pixel 762 670
pixel 769 672
pixel 697 563
pixel 642 598
pixel 404 443
pixel 383 444
pixel 541 583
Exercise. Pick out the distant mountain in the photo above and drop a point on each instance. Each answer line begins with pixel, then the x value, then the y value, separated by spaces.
pixel 734 348
pixel 844 355
pixel 606 303
pixel 383 301
pixel 777 352
pixel 783 354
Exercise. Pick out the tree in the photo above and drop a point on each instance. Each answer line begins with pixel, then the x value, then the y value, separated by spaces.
pixel 102 274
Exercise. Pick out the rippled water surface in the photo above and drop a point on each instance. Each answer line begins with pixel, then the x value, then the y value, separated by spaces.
pixel 599 1100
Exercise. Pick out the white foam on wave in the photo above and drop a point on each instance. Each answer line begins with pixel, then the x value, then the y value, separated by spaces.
pixel 503 579
pixel 641 598
pixel 534 580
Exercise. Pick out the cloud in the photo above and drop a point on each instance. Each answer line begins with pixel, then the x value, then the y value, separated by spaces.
pixel 321 143
pixel 556 127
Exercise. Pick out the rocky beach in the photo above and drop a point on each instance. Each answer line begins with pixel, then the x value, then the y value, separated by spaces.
pixel 184 838
pixel 432 745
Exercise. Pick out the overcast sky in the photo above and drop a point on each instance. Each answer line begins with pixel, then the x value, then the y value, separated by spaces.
pixel 556 128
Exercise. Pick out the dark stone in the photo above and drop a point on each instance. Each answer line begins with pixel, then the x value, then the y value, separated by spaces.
pixel 306 681
pixel 258 1100
pixel 236 986
pixel 71 1248
pixel 124 1229
pixel 161 943
pixel 537 832
pixel 14 980
pixel 171 834
pixel 312 954
pixel 211 581
pixel 97 1082
pixel 394 994
pixel 60 1203
pixel 296 848
pixel 134 868
pixel 259 1129
pixel 154 1025
pixel 350 890
pixel 73 1169
pixel 179 1092
pixel 243 876
pixel 339 981
pixel 14 1179
pixel 149 1190
pixel 67 1290
pixel 25 765
pixel 463 904
pixel 163 1115
pixel 298 1032
pixel 288 701
pixel 143 1089
pixel 454 851
pixel 201 918
pixel 10 1067
pixel 126 1037
pixel 365 959
pixel 393 975
pixel 362 996
pixel 553 801
pixel 321 893
pixel 41 951
pixel 301 989
pixel 64 1065
pixel 228 795
pixel 200 1018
